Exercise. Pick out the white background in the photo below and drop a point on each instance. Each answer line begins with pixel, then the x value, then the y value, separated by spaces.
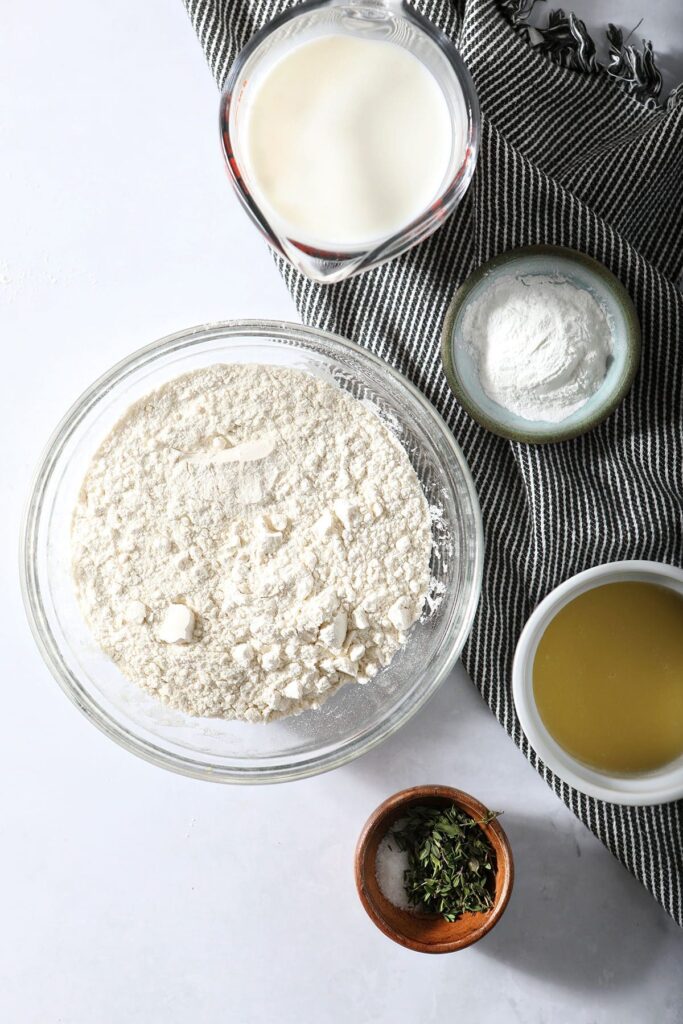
pixel 129 894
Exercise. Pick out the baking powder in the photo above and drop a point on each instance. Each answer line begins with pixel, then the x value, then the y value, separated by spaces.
pixel 540 345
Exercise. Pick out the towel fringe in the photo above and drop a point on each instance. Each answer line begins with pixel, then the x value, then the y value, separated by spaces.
pixel 567 41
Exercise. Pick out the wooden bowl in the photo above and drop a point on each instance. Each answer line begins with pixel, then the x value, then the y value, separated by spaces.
pixel 429 933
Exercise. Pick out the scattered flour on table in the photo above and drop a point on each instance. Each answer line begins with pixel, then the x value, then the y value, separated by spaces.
pixel 249 538
pixel 540 345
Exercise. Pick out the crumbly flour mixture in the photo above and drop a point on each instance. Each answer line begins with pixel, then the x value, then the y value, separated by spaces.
pixel 249 538
pixel 540 344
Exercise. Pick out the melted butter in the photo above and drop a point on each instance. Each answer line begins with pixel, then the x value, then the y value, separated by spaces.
pixel 608 677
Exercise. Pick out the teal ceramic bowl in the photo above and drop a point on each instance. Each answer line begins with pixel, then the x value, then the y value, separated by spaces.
pixel 583 272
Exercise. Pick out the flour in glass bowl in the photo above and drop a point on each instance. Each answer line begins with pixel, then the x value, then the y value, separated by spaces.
pixel 247 539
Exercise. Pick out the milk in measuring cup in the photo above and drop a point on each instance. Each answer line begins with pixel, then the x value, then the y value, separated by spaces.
pixel 344 141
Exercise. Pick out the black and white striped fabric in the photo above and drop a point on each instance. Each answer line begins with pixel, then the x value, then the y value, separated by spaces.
pixel 570 159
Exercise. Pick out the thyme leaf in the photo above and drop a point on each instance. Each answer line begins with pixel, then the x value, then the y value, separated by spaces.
pixel 451 863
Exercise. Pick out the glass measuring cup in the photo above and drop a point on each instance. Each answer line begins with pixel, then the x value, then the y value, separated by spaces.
pixel 385 20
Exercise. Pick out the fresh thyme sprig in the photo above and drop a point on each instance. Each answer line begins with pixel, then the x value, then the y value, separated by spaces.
pixel 451 863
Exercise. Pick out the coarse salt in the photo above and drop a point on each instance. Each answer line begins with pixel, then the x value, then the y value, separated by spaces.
pixel 391 865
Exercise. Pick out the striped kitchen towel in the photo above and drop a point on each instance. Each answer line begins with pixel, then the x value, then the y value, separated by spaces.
pixel 573 153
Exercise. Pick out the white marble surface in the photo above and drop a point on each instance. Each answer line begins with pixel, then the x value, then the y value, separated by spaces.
pixel 129 894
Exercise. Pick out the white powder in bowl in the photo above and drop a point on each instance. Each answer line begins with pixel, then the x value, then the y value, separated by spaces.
pixel 540 345
pixel 390 867
pixel 249 538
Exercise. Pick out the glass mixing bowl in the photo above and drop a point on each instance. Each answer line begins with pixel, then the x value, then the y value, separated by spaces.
pixel 355 718
pixel 386 20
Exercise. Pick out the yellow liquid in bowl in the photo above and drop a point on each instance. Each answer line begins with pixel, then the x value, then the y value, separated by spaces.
pixel 608 677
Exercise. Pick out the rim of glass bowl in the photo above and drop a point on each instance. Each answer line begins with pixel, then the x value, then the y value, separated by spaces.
pixel 193 766
pixel 311 259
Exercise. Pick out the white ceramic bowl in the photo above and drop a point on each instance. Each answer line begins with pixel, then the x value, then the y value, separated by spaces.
pixel 657 787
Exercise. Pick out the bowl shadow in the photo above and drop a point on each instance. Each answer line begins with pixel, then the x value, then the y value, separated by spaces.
pixel 572 918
